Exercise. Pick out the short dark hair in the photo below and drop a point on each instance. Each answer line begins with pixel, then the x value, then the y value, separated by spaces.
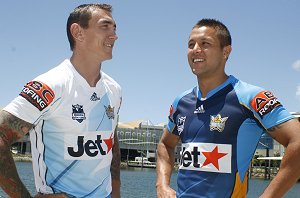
pixel 81 15
pixel 222 31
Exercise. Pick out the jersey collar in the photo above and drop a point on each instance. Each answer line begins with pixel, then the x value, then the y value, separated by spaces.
pixel 230 80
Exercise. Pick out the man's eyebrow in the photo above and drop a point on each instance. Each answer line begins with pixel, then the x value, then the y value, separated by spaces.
pixel 107 21
pixel 201 39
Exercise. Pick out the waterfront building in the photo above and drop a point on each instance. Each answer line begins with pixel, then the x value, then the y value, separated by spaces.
pixel 140 138
pixel 22 146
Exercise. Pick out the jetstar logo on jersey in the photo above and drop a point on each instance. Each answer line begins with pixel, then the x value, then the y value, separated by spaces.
pixel 264 102
pixel 88 146
pixel 206 157
pixel 38 94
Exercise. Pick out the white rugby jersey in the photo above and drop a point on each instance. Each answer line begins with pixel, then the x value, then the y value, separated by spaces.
pixel 74 128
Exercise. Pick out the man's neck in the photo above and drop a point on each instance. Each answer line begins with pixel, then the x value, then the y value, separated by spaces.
pixel 89 70
pixel 208 84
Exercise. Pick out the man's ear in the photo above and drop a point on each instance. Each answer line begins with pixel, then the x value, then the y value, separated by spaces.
pixel 227 51
pixel 76 32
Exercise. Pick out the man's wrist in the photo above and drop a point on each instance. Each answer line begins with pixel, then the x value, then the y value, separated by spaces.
pixel 161 185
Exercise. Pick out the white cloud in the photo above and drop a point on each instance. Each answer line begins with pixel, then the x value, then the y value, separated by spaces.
pixel 296 66
pixel 298 91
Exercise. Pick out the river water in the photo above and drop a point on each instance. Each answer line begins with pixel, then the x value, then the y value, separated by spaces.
pixel 137 183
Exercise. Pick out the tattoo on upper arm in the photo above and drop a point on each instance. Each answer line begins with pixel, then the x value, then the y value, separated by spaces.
pixel 116 159
pixel 12 128
pixel 274 128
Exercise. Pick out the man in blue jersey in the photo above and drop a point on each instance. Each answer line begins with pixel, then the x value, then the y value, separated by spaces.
pixel 219 123
pixel 71 113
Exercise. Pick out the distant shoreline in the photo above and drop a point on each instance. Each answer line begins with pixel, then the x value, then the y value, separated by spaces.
pixel 28 158
pixel 257 173
pixel 22 158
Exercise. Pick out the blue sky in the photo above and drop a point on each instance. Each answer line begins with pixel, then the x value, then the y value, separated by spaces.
pixel 150 55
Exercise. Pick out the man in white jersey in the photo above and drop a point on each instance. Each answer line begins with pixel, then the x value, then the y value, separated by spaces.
pixel 71 113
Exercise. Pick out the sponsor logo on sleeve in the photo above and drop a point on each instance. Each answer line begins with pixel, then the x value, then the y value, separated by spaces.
pixel 206 157
pixel 38 94
pixel 264 102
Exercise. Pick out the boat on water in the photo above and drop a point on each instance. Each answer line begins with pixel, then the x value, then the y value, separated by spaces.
pixel 142 162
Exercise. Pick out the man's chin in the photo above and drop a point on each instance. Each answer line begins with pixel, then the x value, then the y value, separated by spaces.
pixel 108 58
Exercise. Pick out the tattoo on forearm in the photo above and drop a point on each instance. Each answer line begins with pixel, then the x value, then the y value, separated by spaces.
pixel 11 129
pixel 116 159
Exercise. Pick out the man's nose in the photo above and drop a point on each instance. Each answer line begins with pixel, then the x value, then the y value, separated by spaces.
pixel 113 37
pixel 197 48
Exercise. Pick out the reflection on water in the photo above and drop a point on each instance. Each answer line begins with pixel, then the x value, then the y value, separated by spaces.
pixel 137 182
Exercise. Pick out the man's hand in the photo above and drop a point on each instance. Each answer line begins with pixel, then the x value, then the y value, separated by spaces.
pixel 165 192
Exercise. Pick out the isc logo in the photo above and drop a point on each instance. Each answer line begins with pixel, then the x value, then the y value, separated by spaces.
pixel 87 147
pixel 38 94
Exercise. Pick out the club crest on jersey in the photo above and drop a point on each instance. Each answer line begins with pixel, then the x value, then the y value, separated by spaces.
pixel 94 97
pixel 110 111
pixel 78 113
pixel 217 123
pixel 180 125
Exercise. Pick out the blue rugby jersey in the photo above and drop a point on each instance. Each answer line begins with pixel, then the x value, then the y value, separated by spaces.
pixel 219 136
